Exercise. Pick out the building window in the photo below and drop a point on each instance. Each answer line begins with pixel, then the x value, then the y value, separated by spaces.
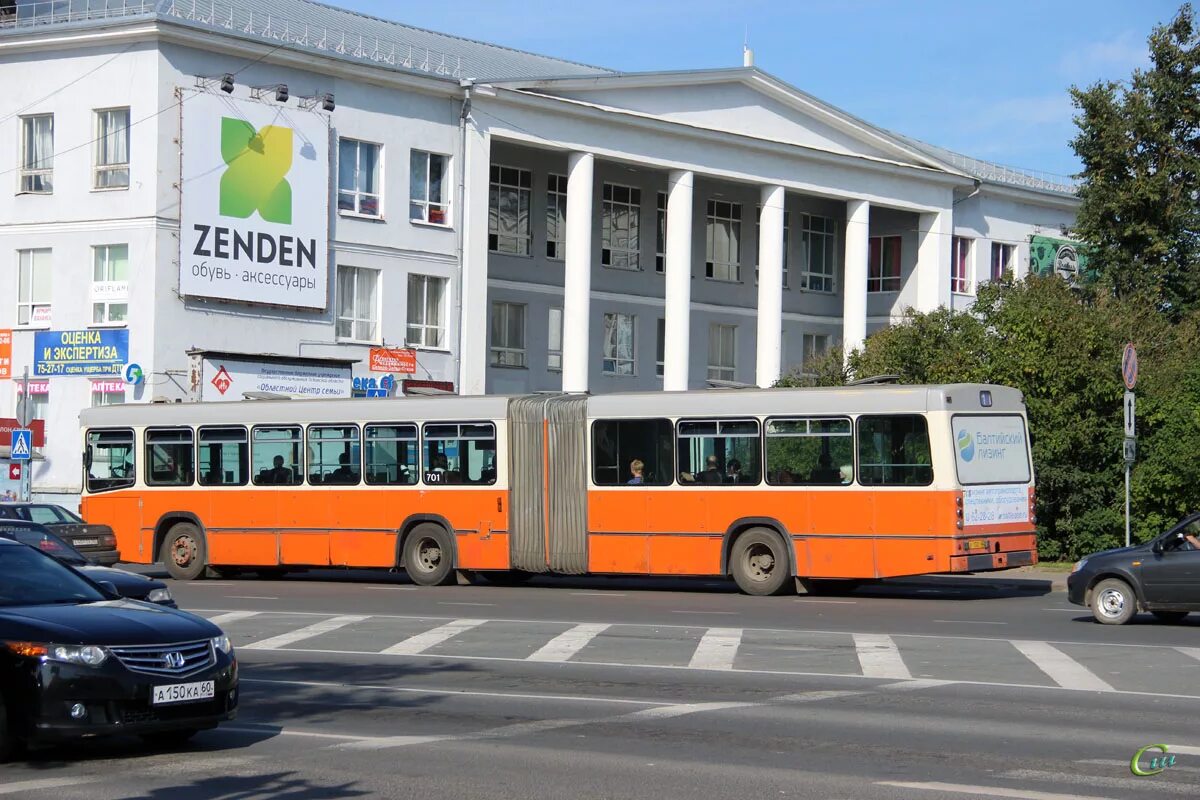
pixel 620 215
pixel 428 200
pixel 660 348
pixel 358 304
pixel 556 216
pixel 787 224
pixel 660 233
pixel 724 236
pixel 815 345
pixel 39 400
pixel 554 348
pixel 722 352
pixel 110 284
pixel 817 271
pixel 112 149
pixel 359 187
pixel 508 211
pixel 508 335
pixel 960 264
pixel 37 154
pixel 620 355
pixel 426 317
pixel 883 265
pixel 1002 261
pixel 33 287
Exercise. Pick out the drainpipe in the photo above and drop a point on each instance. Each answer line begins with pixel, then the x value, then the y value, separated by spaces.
pixel 975 191
pixel 463 116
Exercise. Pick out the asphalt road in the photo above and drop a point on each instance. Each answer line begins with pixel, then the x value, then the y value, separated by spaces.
pixel 362 685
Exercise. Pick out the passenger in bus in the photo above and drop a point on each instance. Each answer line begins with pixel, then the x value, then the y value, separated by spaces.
pixel 824 473
pixel 279 474
pixel 711 474
pixel 734 474
pixel 637 469
pixel 846 473
pixel 344 473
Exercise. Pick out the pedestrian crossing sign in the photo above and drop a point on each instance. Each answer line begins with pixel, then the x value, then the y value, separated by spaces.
pixel 22 444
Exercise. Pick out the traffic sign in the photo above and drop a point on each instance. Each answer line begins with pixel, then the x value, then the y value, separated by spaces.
pixel 1130 414
pixel 1129 366
pixel 14 472
pixel 22 444
pixel 1130 450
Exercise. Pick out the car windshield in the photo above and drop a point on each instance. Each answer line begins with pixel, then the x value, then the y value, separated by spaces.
pixel 29 578
pixel 53 545
pixel 48 515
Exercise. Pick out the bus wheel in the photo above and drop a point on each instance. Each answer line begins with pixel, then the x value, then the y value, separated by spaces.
pixel 429 555
pixel 759 562
pixel 183 552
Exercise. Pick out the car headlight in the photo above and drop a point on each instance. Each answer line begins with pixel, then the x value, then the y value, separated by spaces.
pixel 1079 565
pixel 88 654
pixel 222 643
pixel 159 595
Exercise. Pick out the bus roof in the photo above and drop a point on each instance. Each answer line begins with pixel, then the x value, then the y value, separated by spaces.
pixel 867 399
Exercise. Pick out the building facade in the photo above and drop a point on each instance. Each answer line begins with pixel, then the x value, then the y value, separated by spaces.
pixel 507 222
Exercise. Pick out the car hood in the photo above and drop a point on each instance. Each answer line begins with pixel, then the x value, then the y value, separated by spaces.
pixel 111 622
pixel 128 584
pixel 1118 551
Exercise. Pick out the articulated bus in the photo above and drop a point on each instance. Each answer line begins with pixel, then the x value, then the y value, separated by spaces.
pixel 771 487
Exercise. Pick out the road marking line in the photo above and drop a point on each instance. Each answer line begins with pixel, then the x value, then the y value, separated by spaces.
pixel 1062 669
pixel 728 613
pixel 415 645
pixel 825 601
pixel 396 588
pixel 990 791
pixel 308 631
pixel 212 583
pixel 465 604
pixel 249 597
pixel 812 697
pixel 599 594
pixel 258 729
pixel 1194 652
pixel 1134 784
pixel 43 783
pixel 1184 750
pixel 1123 763
pixel 682 709
pixel 462 692
pixel 568 643
pixel 717 649
pixel 970 622
pixel 915 685
pixel 879 657
pixel 232 616
pixel 1071 610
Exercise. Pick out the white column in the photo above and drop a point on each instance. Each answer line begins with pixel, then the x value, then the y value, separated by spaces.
pixel 577 279
pixel 472 288
pixel 854 288
pixel 770 286
pixel 933 260
pixel 678 273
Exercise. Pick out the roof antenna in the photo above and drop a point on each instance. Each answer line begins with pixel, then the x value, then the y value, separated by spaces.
pixel 747 53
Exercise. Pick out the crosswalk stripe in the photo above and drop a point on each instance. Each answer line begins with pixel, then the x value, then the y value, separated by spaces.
pixel 879 656
pixel 1194 652
pixel 42 783
pixel 307 632
pixel 989 791
pixel 231 616
pixel 1062 669
pixel 423 641
pixel 717 649
pixel 568 643
pixel 1131 784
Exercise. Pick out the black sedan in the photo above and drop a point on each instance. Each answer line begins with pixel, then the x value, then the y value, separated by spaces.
pixel 76 660
pixel 1161 576
pixel 97 542
pixel 127 584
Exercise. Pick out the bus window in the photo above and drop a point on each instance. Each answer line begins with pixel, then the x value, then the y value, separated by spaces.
pixel 460 453
pixel 390 452
pixel 894 451
pixel 333 454
pixel 224 456
pixel 812 451
pixel 276 455
pixel 719 452
pixel 110 462
pixel 169 456
pixel 617 443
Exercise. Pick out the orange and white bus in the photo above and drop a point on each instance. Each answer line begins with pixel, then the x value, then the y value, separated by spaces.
pixel 766 486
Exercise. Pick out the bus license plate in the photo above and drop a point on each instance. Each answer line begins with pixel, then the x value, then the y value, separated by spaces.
pixel 183 693
pixel 977 544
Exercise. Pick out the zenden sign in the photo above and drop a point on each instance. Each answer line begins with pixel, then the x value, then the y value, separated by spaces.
pixel 254 210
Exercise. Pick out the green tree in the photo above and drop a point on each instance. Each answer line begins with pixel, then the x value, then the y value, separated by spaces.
pixel 1139 142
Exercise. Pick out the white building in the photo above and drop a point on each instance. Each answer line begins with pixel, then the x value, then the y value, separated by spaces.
pixel 518 222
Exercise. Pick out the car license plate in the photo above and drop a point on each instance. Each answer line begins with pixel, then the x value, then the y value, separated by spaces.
pixel 977 544
pixel 86 542
pixel 183 693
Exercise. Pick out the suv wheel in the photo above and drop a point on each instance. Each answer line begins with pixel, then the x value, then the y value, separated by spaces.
pixel 1113 602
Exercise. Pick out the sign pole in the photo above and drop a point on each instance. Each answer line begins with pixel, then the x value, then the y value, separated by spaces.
pixel 1129 374
pixel 1127 465
pixel 26 472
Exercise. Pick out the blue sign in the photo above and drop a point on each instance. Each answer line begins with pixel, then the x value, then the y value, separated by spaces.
pixel 86 353
pixel 22 444
pixel 374 387
pixel 134 374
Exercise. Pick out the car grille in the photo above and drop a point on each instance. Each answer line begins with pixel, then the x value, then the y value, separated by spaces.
pixel 146 714
pixel 173 660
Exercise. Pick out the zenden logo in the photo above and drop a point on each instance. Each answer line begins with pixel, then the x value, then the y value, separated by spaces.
pixel 966 445
pixel 256 178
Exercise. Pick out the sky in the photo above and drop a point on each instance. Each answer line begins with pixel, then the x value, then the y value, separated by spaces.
pixel 988 79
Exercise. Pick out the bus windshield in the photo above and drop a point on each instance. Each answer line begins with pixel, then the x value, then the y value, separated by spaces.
pixel 991 448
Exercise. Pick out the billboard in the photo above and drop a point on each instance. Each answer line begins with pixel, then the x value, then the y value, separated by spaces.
pixel 91 352
pixel 230 379
pixel 254 214
pixel 1067 259
pixel 5 354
